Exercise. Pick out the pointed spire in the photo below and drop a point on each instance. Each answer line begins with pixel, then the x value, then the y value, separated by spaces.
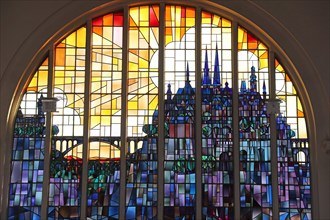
pixel 39 105
pixel 169 92
pixel 206 78
pixel 216 77
pixel 187 73
pixel 264 87
pixel 264 92
pixel 253 79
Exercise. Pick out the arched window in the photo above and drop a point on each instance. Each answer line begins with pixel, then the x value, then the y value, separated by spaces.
pixel 163 111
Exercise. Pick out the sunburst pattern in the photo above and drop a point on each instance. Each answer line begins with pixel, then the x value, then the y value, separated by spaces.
pixel 69 83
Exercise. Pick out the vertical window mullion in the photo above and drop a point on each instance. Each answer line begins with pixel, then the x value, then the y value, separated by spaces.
pixel 235 121
pixel 123 139
pixel 48 136
pixel 161 117
pixel 86 133
pixel 273 137
pixel 198 114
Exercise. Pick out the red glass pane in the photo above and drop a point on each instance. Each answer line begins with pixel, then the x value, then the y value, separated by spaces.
pixel 118 19
pixel 98 21
pixel 183 13
pixel 251 39
pixel 153 21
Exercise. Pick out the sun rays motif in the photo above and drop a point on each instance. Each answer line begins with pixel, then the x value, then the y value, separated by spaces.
pixel 106 122
pixel 142 78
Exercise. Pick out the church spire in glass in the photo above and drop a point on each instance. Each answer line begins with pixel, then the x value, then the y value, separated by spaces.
pixel 206 78
pixel 216 76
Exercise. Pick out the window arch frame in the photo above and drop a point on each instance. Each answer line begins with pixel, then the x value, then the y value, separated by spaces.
pixel 237 19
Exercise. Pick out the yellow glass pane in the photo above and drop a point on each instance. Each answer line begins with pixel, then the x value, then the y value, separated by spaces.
pixel 133 38
pixel 105 121
pixel 154 103
pixel 95 120
pixel 300 108
pixel 96 39
pixel 190 22
pixel 81 37
pixel 143 63
pixel 70 61
pixel 132 105
pixel 59 81
pixel 145 33
pixel 107 34
pixel 133 58
pixel 261 46
pixel 134 14
pixel 226 23
pixel 43 78
pixel 302 129
pixel 216 21
pixel 71 40
pixel 143 102
pixel 144 13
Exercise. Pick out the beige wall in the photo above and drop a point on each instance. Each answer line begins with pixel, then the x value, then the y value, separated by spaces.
pixel 300 28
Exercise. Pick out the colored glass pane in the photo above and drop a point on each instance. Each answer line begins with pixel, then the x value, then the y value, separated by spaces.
pixel 105 116
pixel 254 128
pixel 142 127
pixel 217 142
pixel 27 162
pixel 105 124
pixel 293 152
pixel 179 173
pixel 67 149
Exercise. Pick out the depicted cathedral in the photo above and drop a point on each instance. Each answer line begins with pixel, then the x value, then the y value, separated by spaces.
pixel 217 149
pixel 179 168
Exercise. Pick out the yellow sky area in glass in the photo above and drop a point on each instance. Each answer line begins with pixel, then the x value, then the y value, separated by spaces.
pixel 143 38
pixel 143 43
pixel 97 150
pixel 291 106
pixel 106 76
pixel 101 150
pixel 40 78
pixel 70 67
pixel 69 83
pixel 248 42
pixel 288 92
pixel 215 20
pixel 178 20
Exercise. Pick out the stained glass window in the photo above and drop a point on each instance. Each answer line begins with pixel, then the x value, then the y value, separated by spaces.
pixel 67 149
pixel 105 116
pixel 294 175
pixel 254 128
pixel 27 162
pixel 100 104
pixel 217 139
pixel 179 175
pixel 141 176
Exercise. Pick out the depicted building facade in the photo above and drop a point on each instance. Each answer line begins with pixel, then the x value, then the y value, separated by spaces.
pixel 209 106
